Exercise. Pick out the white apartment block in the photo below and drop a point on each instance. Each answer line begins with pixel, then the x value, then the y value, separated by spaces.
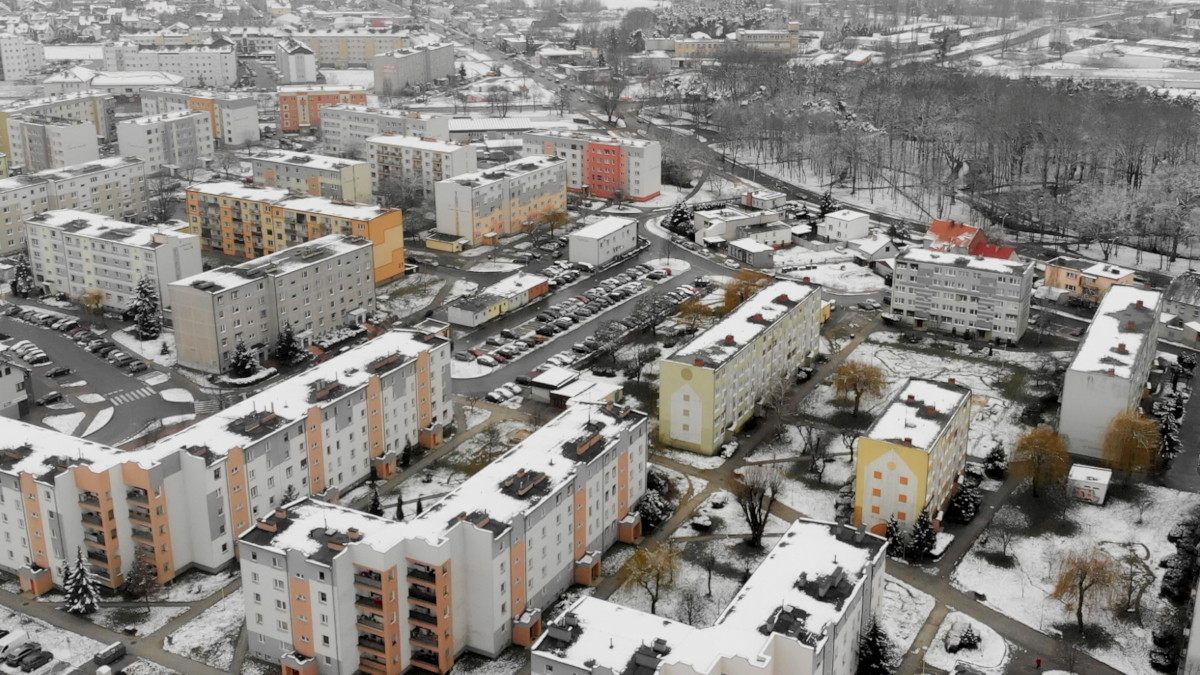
pixel 335 48
pixel 346 127
pixel 97 107
pixel 602 241
pixel 800 613
pixel 20 57
pixel 1111 368
pixel 427 161
pixel 75 252
pixel 318 175
pixel 37 143
pixel 181 502
pixel 200 66
pixel 602 165
pixel 986 298
pixel 170 143
pixel 114 186
pixel 334 591
pixel 316 287
pixel 502 200
pixel 412 67
pixel 296 61
pixel 16 388
pixel 234 115
pixel 844 225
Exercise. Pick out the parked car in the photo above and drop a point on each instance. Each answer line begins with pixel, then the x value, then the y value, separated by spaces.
pixel 475 352
pixel 486 361
pixel 462 356
pixel 37 358
pixel 107 349
pixel 509 333
pixel 35 660
pixel 121 360
pixel 545 330
pixel 657 274
pixel 495 341
pixel 51 397
pixel 515 389
pixel 14 657
pixel 59 371
pixel 138 367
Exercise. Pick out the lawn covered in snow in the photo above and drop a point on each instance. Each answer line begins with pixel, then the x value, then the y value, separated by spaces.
pixel 150 350
pixel 210 637
pixel 145 620
pixel 720 514
pixel 842 277
pixel 990 656
pixel 194 586
pixel 409 295
pixel 903 611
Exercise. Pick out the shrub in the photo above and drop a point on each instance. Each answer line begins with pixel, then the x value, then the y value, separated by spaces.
pixel 964 505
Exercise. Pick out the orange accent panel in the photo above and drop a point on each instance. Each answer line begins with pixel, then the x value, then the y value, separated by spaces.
pixel 516 557
pixel 392 599
pixel 33 522
pixel 298 588
pixel 239 497
pixel 386 232
pixel 580 521
pixel 316 447
pixel 424 409
pixel 136 476
pixel 314 185
pixel 375 436
pixel 622 485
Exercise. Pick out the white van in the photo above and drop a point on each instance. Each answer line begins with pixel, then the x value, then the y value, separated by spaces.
pixel 12 641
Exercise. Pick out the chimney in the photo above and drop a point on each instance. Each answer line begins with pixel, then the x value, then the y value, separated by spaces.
pixel 807 280
pixel 1131 325
pixel 354 534
pixel 860 534
pixel 930 410
pixel 700 362
pixel 950 381
pixel 783 298
pixel 912 399
pixel 520 473
pixel 1139 304
pixel 281 514
pixel 729 341
pixel 758 317
pixel 908 441
pixel 1112 371
pixel 1121 349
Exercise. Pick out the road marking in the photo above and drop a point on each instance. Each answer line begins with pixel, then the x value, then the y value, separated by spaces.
pixel 130 397
pixel 207 407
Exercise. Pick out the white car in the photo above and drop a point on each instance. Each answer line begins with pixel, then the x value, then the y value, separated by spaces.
pixel 512 387
pixel 732 264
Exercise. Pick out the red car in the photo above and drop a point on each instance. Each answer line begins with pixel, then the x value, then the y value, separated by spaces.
pixel 475 352
pixel 499 357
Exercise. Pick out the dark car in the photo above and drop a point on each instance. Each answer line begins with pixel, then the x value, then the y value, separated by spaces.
pixel 509 333
pixel 35 660
pixel 106 350
pixel 545 330
pixel 462 356
pixel 524 380
pixel 21 652
pixel 543 317
pixel 59 371
pixel 52 397
pixel 138 367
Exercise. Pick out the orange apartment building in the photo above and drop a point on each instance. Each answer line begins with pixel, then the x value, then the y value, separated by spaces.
pixel 248 221
pixel 300 104
pixel 602 165
pixel 481 206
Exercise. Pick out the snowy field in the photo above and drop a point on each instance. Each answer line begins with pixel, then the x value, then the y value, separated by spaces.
pixel 990 657
pixel 65 424
pixel 144 667
pixel 1022 590
pixel 720 514
pixel 692 459
pixel 210 637
pixel 150 350
pixel 359 76
pixel 476 416
pixel 409 295
pixel 145 620
pixel 903 612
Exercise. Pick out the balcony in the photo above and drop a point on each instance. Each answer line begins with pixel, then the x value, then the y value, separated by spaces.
pixel 95 542
pixel 90 500
pixel 146 553
pixel 139 516
pixel 426 618
pixel 421 574
pixel 372 603
pixel 366 621
pixel 138 496
pixel 422 594
pixel 425 656
pixel 93 521
pixel 98 556
pixel 372 644
pixel 424 637
pixel 143 537
pixel 368 578
pixel 372 666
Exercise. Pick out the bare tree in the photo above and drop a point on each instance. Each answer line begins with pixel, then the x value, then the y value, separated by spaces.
pixel 755 494
pixel 858 380
pixel 818 451
pixel 610 92
pixel 491 442
pixel 1086 576
pixel 160 193
pixel 1006 525
pixel 226 162
pixel 1041 456
pixel 655 569
pixel 403 191
pixel 693 606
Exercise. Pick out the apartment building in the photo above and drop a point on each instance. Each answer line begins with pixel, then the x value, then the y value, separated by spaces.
pixel 75 252
pixel 711 386
pixel 319 175
pixel 20 57
pixel 500 298
pixel 126 85
pixel 800 613
pixel 1111 367
pixel 179 503
pixel 96 107
pixel 316 287
pixel 605 240
pixel 234 115
pixel 413 66
pixel 420 159
pixel 300 104
pixel 334 48
pixel 200 66
pixel 1085 279
pixel 170 143
pixel 474 572
pixel 250 221
pixel 347 127
pixel 297 62
pixel 600 165
pixel 504 199
pixel 113 186
pixel 785 42
pixel 844 225
pixel 16 388
pixel 37 143
pixel 913 453
pixel 987 298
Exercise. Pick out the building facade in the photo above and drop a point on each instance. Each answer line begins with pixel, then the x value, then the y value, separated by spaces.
pixel 334 48
pixel 910 458
pixel 987 298
pixel 20 57
pixel 502 200
pixel 75 252
pixel 300 104
pixel 1085 279
pixel 114 186
pixel 99 108
pixel 347 127
pixel 598 165
pixel 170 143
pixel 473 572
pixel 710 387
pixel 39 143
pixel 16 388
pixel 603 241
pixel 316 287
pixel 296 61
pixel 498 299
pixel 418 159
pixel 1111 367
pixel 251 221
pixel 200 66
pixel 180 503
pixel 412 67
pixel 318 175
pixel 844 225
pixel 234 116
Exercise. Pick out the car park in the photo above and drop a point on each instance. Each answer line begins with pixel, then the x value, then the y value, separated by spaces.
pixel 13 658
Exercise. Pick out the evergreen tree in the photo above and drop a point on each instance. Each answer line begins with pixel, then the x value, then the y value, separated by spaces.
pixel 1168 431
pixel 406 455
pixel 876 653
pixel 1187 361
pixel 420 507
pixel 827 203
pixel 995 465
pixel 462 70
pixel 289 495
pixel 287 348
pixel 399 505
pixel 969 638
pixel 83 595
pixel 922 539
pixel 147 313
pixel 22 283
pixel 142 581
pixel 680 221
pixel 894 536
pixel 374 505
pixel 244 364
pixel 964 505
pixel 600 63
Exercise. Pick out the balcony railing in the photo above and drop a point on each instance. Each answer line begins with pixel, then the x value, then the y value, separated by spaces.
pixel 88 499
pixel 423 617
pixel 368 622
pixel 137 496
pixel 94 542
pixel 372 603
pixel 423 637
pixel 371 665
pixel 422 594
pixel 370 579
pixel 92 520
pixel 139 516
pixel 421 575
pixel 143 536
pixel 146 553
pixel 373 643
pixel 425 656
pixel 99 556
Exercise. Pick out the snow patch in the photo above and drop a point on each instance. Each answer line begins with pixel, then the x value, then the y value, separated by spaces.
pixel 100 420
pixel 64 423
pixel 990 656
pixel 177 395
pixel 90 398
pixel 210 637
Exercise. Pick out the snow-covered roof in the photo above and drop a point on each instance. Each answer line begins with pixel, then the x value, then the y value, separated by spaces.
pixel 521 282
pixel 198 93
pixel 599 636
pixel 751 245
pixel 136 78
pixel 293 46
pixel 603 227
pixel 872 244
pixel 921 255
pixel 282 198
pixel 300 88
pixel 87 224
pixel 555 377
pixel 1116 339
pixel 168 117
pixel 743 324
pixel 919 413
pixel 845 214
pixel 386 112
pixel 27 103
pixel 1089 474
pixel 303 159
pixel 1185 289
pixel 593 137
pixel 414 143
pixel 67 172
pixel 1091 267
pixel 513 169
pixel 277 263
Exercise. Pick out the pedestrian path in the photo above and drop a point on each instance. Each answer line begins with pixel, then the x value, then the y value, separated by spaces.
pixel 121 397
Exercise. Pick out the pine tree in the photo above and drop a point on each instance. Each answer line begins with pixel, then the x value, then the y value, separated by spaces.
pixel 147 313
pixel 922 539
pixel 374 505
pixel 83 595
pixel 289 495
pixel 1168 432
pixel 142 581
pixel 406 456
pixel 600 63
pixel 995 465
pixel 680 220
pixel 894 536
pixel 964 505
pixel 287 349
pixel 462 71
pixel 399 505
pixel 1187 361
pixel 876 653
pixel 420 507
pixel 22 283
pixel 969 638
pixel 244 364
pixel 827 203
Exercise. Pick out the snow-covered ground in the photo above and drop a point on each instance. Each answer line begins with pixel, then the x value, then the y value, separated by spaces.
pixel 210 637
pixel 461 289
pixel 676 265
pixel 177 395
pixel 692 459
pixel 990 656
pixel 144 667
pixel 842 277
pixel 90 398
pixel 409 295
pixel 145 620
pixel 490 266
pixel 685 486
pixel 64 423
pixel 476 416
pixel 66 646
pixel 723 516
pixel 466 370
pixel 150 350
pixel 99 421
pixel 194 586
pixel 903 612
pixel 798 255
pixel 359 76
pixel 1022 590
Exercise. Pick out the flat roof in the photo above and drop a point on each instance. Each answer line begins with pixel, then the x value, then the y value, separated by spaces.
pixel 918 413
pixel 25 104
pixel 416 143
pixel 87 224
pixel 745 323
pixel 921 255
pixel 1091 267
pixel 513 169
pixel 604 227
pixel 1117 335
pixel 67 172
pixel 294 88
pixel 555 377
pixel 283 198
pixel 277 263
pixel 304 159
pixel 593 137
pixel 385 112
pixel 199 93
pixel 166 117
pixel 752 245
